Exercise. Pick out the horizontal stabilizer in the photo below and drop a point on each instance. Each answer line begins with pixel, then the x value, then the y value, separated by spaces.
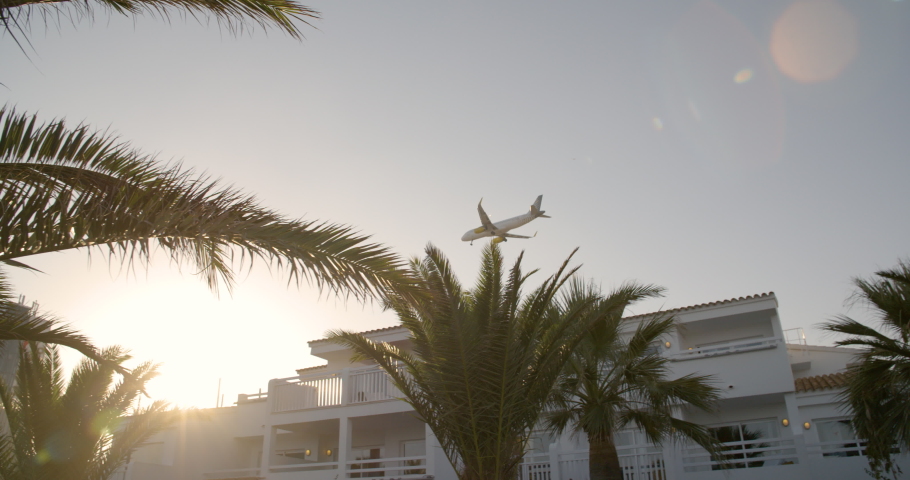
pixel 535 208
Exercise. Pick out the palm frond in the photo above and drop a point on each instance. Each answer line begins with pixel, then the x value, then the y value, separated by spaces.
pixel 17 324
pixel 66 188
pixel 483 361
pixel 879 381
pixel 616 380
pixel 72 429
pixel 234 15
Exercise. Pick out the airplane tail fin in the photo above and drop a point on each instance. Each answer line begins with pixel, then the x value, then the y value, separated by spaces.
pixel 535 208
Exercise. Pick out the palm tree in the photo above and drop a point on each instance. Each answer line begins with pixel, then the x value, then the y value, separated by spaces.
pixel 616 379
pixel 879 381
pixel 74 430
pixel 484 360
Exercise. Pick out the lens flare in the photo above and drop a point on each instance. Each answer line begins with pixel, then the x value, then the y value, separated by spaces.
pixel 743 76
pixel 814 41
pixel 42 457
pixel 738 123
pixel 657 123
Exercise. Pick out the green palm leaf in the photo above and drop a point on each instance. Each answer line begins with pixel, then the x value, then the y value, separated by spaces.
pixel 879 380
pixel 21 324
pixel 616 380
pixel 234 15
pixel 66 188
pixel 73 430
pixel 483 361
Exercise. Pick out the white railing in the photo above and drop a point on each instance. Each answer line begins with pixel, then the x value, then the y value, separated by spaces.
pixel 304 467
pixel 535 468
pixel 252 397
pixel 345 387
pixel 838 448
pixel 398 467
pixel 645 466
pixel 795 336
pixel 574 466
pixel 758 453
pixel 370 385
pixel 725 349
pixel 300 393
pixel 232 473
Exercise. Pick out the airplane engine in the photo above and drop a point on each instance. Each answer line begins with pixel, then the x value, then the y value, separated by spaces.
pixel 499 239
pixel 479 230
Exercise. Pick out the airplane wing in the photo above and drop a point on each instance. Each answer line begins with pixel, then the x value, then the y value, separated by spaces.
pixel 484 219
pixel 512 235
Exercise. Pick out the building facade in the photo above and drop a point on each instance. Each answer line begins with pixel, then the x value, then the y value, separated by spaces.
pixel 779 417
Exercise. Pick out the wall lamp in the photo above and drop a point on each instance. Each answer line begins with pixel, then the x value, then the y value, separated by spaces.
pixel 328 452
pixel 667 344
pixel 785 422
pixel 308 452
pixel 807 425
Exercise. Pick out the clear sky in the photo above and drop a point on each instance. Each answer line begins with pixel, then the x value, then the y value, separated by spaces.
pixel 719 149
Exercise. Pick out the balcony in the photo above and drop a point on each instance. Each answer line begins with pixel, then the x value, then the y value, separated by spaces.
pixel 349 386
pixel 726 349
pixel 635 466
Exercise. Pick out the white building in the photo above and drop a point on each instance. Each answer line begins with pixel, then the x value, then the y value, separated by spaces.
pixel 779 415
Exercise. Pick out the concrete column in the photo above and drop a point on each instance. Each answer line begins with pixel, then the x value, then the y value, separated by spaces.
pixel 555 473
pixel 796 428
pixel 268 443
pixel 345 432
pixel 796 423
pixel 269 432
pixel 430 446
pixel 672 452
pixel 438 464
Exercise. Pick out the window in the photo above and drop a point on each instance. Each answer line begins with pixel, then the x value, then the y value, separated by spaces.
pixel 838 439
pixel 367 453
pixel 413 448
pixel 633 441
pixel 748 444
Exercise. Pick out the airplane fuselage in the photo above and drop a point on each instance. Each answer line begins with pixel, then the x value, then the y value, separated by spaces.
pixel 498 228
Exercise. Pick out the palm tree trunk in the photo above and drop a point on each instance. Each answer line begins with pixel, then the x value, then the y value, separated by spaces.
pixel 603 461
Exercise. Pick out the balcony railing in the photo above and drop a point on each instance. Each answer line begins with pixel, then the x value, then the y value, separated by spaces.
pixel 399 467
pixel 245 473
pixel 758 453
pixel 726 349
pixel 644 466
pixel 301 393
pixel 371 385
pixel 345 387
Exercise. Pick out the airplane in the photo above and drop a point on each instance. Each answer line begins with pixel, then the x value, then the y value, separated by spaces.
pixel 499 231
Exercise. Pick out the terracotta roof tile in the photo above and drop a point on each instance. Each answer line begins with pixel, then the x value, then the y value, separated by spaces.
pixel 821 382
pixel 710 304
pixel 681 309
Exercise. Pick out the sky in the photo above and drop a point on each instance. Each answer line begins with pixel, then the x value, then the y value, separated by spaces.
pixel 717 148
